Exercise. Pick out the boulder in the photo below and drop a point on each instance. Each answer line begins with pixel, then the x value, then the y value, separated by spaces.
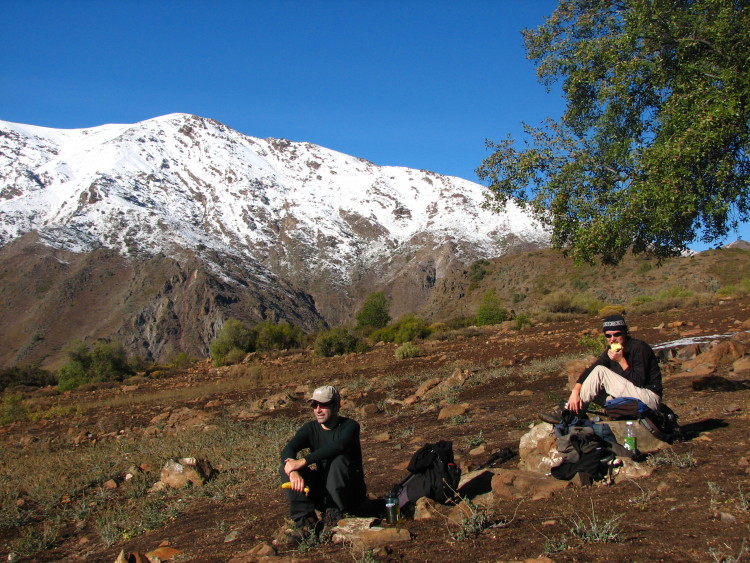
pixel 538 449
pixel 516 484
pixel 185 471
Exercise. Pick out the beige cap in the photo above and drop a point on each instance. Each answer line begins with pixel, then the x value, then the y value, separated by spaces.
pixel 326 394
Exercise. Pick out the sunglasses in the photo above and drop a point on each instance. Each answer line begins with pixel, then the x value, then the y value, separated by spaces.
pixel 613 334
pixel 316 404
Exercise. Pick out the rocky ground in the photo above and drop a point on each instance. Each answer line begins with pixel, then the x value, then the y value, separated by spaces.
pixel 692 502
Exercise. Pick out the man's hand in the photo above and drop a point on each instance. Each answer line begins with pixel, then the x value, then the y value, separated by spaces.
pixel 291 467
pixel 574 401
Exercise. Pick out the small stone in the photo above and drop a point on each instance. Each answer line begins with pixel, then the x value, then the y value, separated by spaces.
pixel 382 437
pixel 110 484
pixel 231 536
pixel 726 517
pixel 549 523
pixel 663 487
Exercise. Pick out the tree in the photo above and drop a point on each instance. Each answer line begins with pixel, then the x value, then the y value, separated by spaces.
pixel 374 311
pixel 490 312
pixel 651 153
pixel 234 335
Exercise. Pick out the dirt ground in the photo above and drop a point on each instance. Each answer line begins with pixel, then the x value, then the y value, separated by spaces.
pixel 676 514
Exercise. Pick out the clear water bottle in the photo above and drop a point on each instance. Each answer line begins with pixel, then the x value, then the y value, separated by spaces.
pixel 392 508
pixel 630 439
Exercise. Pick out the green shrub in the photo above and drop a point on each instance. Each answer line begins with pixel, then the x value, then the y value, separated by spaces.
pixel 108 362
pixel 336 341
pixel 281 336
pixel 234 356
pixel 406 350
pixel 593 344
pixel 405 329
pixel 374 312
pixel 234 334
pixel 522 320
pixel 29 375
pixel 104 362
pixel 611 310
pixel 12 408
pixel 71 375
pixel 490 312
pixel 735 290
pixel 477 272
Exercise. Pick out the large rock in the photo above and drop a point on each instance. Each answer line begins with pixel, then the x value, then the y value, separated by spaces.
pixel 516 484
pixel 538 449
pixel 185 471
pixel 362 535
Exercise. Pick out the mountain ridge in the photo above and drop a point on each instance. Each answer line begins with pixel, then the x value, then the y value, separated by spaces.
pixel 288 222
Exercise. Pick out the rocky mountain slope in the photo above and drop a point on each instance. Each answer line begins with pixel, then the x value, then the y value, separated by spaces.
pixel 301 231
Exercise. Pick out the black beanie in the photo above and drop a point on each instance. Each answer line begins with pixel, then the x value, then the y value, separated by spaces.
pixel 614 322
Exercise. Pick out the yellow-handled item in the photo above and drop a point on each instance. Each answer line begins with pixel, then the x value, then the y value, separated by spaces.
pixel 288 485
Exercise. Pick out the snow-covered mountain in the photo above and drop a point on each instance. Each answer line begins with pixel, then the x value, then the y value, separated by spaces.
pixel 331 225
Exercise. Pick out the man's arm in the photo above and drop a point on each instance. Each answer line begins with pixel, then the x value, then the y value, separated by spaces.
pixel 292 465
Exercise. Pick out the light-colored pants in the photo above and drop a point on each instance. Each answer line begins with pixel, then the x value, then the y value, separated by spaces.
pixel 602 383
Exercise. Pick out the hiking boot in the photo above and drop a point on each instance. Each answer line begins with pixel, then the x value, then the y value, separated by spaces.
pixel 305 527
pixel 554 416
pixel 331 519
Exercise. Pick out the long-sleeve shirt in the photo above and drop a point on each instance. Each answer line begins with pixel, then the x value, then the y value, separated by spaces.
pixel 643 366
pixel 326 444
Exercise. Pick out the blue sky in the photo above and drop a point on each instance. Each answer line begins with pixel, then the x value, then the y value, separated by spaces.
pixel 409 83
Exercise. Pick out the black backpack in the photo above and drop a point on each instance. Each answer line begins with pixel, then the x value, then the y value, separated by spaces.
pixel 433 473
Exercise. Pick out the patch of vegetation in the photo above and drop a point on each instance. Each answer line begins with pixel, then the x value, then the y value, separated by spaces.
pixel 26 375
pixel 407 350
pixel 12 408
pixel 739 289
pixel 337 341
pixel 490 311
pixel 408 327
pixel 374 312
pixel 593 343
pixel 670 457
pixel 563 302
pixel 595 529
pixel 104 362
pixel 477 272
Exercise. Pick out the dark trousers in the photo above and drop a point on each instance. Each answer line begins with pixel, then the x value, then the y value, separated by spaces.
pixel 334 484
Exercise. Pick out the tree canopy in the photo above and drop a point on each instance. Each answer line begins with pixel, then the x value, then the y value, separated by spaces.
pixel 651 153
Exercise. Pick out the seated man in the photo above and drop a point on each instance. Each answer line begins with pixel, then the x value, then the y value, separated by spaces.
pixel 630 371
pixel 337 483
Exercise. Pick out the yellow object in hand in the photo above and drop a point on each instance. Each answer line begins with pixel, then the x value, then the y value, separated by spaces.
pixel 615 347
pixel 288 485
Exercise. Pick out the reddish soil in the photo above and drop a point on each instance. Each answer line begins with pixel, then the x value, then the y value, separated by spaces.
pixel 681 521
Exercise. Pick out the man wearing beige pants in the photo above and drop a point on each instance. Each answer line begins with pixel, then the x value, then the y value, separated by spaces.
pixel 626 368
pixel 630 370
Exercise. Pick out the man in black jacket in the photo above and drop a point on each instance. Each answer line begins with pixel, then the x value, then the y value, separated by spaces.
pixel 336 484
pixel 627 368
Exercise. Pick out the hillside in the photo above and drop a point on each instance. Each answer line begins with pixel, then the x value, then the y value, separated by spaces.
pixel 65 495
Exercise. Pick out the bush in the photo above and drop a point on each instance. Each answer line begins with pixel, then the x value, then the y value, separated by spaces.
pixel 374 312
pixel 12 408
pixel 406 350
pixel 336 341
pixel 593 344
pixel 104 362
pixel 490 311
pixel 562 302
pixel 234 356
pixel 477 272
pixel 281 336
pixel 611 310
pixel 233 335
pixel 522 320
pixel 27 375
pixel 735 290
pixel 405 329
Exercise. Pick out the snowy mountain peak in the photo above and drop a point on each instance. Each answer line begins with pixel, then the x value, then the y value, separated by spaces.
pixel 181 183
